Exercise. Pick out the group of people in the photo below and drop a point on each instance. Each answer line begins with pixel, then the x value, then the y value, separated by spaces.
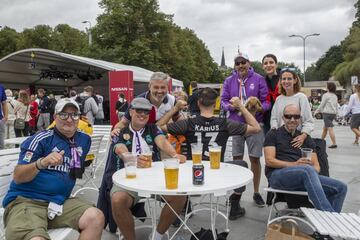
pixel 26 114
pixel 268 113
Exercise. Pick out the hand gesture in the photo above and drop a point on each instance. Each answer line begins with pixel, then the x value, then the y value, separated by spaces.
pixel 53 159
pixel 236 103
pixel 298 141
pixel 115 132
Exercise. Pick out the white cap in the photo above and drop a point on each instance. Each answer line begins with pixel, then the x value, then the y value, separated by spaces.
pixel 241 55
pixel 64 102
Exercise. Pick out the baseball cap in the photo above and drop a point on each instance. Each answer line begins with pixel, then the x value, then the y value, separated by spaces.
pixel 141 103
pixel 64 102
pixel 241 55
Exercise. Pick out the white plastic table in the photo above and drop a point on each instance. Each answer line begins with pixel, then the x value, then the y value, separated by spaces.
pixel 151 181
pixel 17 140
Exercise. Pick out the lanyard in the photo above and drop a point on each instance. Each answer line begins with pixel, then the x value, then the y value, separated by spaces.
pixel 242 91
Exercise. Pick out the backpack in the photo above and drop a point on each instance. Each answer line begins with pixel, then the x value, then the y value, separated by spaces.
pixel 81 102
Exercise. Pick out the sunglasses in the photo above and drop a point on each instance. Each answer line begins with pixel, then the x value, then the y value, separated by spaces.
pixel 287 69
pixel 64 115
pixel 142 111
pixel 290 116
pixel 243 62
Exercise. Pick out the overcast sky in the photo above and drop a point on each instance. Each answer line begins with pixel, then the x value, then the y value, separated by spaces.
pixel 257 27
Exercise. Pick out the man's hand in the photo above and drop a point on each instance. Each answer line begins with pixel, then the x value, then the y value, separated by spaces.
pixel 236 103
pixel 53 159
pixel 303 161
pixel 142 162
pixel 181 157
pixel 298 141
pixel 180 105
pixel 115 132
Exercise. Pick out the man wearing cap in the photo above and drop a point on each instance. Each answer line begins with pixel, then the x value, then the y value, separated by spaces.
pixel 136 137
pixel 244 82
pixel 48 166
pixel 158 96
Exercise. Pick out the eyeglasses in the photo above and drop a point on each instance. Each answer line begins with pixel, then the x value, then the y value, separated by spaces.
pixel 243 62
pixel 65 115
pixel 290 116
pixel 142 111
pixel 287 69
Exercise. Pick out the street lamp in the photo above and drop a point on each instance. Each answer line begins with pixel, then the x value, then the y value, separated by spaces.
pixel 89 31
pixel 304 39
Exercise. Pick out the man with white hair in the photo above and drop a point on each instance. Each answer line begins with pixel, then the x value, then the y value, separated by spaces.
pixel 158 96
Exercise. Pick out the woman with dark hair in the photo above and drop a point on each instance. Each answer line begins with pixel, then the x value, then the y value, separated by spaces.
pixel 289 87
pixel 354 108
pixel 329 108
pixel 269 64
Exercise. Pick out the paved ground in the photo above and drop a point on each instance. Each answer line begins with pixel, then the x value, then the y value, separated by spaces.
pixel 344 165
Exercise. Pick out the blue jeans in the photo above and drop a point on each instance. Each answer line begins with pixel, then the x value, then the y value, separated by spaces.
pixel 325 193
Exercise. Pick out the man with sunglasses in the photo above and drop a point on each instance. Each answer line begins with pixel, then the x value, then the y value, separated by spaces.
pixel 138 136
pixel 244 82
pixel 286 169
pixel 48 166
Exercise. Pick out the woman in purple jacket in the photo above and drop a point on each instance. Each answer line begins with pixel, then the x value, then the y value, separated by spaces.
pixel 244 82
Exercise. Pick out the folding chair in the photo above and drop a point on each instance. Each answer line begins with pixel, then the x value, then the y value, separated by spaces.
pixel 90 172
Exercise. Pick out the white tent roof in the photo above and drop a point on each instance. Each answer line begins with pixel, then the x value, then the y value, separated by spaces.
pixel 16 68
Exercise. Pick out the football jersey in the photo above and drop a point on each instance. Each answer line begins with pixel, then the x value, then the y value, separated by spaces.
pixel 209 132
pixel 54 183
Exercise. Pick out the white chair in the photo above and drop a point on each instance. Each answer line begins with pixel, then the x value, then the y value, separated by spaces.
pixel 105 131
pixel 338 225
pixel 90 172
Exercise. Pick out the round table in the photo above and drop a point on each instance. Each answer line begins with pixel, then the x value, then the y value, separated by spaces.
pixel 217 182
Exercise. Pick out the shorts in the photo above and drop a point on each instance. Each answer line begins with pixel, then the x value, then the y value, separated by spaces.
pixel 26 218
pixel 328 119
pixel 355 120
pixel 254 143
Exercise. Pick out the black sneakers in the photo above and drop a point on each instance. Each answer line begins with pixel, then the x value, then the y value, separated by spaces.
pixel 258 200
pixel 236 211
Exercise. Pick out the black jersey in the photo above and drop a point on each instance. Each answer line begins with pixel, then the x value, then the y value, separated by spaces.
pixel 208 131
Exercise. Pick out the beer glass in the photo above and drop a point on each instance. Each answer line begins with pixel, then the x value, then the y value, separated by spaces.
pixel 171 169
pixel 148 156
pixel 306 153
pixel 130 162
pixel 196 150
pixel 215 156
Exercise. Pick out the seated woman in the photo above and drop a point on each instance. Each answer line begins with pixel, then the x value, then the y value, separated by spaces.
pixel 290 87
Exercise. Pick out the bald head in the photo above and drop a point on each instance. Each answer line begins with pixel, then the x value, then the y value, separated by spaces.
pixel 291 109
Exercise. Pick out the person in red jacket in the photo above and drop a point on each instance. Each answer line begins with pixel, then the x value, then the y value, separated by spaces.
pixel 34 112
pixel 269 63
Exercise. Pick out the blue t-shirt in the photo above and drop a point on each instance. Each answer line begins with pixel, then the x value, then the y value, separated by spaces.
pixel 2 99
pixel 54 183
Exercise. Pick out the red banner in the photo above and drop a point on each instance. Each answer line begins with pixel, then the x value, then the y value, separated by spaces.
pixel 119 82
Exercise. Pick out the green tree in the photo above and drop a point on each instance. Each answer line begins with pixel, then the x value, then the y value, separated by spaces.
pixel 9 39
pixel 37 37
pixel 68 40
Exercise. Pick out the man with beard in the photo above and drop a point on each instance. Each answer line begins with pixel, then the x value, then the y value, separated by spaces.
pixel 158 96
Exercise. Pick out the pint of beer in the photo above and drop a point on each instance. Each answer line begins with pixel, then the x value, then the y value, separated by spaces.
pixel 196 150
pixel 215 156
pixel 148 156
pixel 130 162
pixel 171 169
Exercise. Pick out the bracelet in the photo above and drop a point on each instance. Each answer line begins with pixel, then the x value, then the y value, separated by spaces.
pixel 36 165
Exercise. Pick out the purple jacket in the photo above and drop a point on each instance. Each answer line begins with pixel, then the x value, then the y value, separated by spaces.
pixel 255 85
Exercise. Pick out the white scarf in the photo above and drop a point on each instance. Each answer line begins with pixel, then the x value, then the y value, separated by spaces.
pixel 139 145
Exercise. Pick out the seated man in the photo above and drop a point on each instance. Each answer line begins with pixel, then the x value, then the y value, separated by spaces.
pixel 211 131
pixel 134 138
pixel 287 170
pixel 48 166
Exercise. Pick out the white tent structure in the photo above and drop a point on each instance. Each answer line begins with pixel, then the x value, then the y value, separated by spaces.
pixel 56 71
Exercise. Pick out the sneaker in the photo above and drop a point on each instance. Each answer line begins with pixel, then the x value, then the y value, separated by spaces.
pixel 258 200
pixel 236 212
pixel 333 146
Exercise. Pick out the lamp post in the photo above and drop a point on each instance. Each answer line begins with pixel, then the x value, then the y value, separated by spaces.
pixel 89 31
pixel 304 39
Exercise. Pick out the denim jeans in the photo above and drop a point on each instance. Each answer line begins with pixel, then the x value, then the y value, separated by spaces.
pixel 325 193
